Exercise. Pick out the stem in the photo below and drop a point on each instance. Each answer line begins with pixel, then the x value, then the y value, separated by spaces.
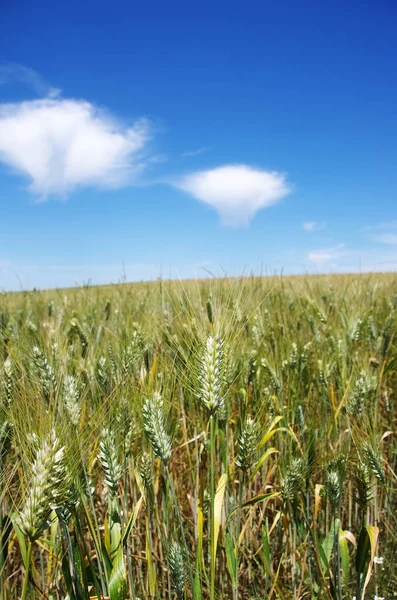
pixel 240 502
pixel 336 533
pixel 337 581
pixel 72 564
pixel 102 573
pixel 2 590
pixel 212 516
pixel 178 513
pixel 27 572
pixel 127 549
pixel 96 542
pixel 87 554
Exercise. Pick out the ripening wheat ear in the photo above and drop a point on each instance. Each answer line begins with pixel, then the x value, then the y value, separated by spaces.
pixel 44 492
pixel 44 372
pixel 71 400
pixel 210 376
pixel 8 379
pixel 5 442
pixel 154 426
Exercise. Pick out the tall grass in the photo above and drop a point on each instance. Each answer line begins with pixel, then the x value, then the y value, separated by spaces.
pixel 216 439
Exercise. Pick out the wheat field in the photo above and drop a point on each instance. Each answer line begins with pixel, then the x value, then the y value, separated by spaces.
pixel 225 438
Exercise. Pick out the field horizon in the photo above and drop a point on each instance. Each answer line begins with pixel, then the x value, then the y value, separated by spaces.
pixel 174 280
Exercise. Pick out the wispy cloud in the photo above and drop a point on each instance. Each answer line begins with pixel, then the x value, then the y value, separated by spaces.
pixel 385 226
pixel 325 255
pixel 13 72
pixel 385 238
pixel 237 192
pixel 197 152
pixel 61 144
pixel 313 225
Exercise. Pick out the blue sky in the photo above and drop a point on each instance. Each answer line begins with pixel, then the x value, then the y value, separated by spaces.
pixel 170 138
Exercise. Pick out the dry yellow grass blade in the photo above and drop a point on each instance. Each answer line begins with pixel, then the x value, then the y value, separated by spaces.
pixel 220 492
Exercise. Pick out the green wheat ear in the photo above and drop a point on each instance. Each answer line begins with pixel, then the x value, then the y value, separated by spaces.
pixel 178 572
pixel 333 487
pixel 211 375
pixel 247 445
pixel 363 483
pixel 8 379
pixel 293 480
pixel 154 426
pixel 146 472
pixel 374 463
pixel 110 462
pixel 45 373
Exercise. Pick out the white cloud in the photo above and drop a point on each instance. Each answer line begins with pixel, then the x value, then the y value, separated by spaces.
pixel 385 238
pixel 326 254
pixel 62 144
pixel 236 192
pixel 312 226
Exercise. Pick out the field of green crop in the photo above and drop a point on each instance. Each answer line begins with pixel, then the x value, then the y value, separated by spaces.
pixel 229 438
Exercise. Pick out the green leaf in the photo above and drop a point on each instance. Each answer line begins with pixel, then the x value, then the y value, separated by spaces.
pixel 132 519
pixel 372 533
pixel 105 558
pixel 266 550
pixel 112 530
pixel 328 543
pixel 118 578
pixel 344 554
pixel 362 551
pixel 80 572
pixel 21 539
pixel 6 533
pixel 66 576
pixel 270 432
pixel 151 569
pixel 197 593
pixel 231 558
pixel 253 501
pixel 262 459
